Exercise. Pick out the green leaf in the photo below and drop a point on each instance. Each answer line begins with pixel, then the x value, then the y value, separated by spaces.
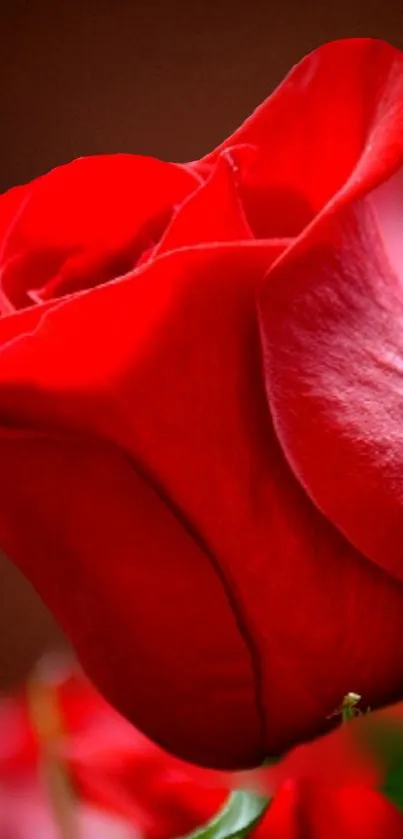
pixel 239 816
pixel 383 739
pixel 392 786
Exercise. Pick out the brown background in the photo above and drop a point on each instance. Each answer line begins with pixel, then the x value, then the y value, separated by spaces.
pixel 169 79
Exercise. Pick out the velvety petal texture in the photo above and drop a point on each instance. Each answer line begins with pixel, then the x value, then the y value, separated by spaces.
pixel 333 365
pixel 200 443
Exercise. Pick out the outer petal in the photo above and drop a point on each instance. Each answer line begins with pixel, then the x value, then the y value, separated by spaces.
pixel 332 318
pixel 143 600
pixel 174 381
pixel 322 130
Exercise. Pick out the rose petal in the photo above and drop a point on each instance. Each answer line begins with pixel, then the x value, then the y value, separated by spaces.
pixel 85 222
pixel 334 122
pixel 89 512
pixel 332 317
pixel 213 213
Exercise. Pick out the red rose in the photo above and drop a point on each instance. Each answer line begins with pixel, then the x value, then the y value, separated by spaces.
pixel 201 439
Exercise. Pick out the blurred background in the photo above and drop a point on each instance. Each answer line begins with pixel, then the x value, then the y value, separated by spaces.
pixel 167 78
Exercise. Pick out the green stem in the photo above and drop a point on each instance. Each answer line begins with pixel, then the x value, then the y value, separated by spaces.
pixel 48 725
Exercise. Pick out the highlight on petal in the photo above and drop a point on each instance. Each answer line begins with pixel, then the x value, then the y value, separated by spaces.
pixel 332 326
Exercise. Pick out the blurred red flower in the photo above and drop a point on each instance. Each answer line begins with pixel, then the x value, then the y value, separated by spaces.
pixel 61 720
pixel 119 784
pixel 311 810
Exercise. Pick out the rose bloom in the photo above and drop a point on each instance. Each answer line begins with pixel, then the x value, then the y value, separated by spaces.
pixel 120 785
pixel 201 447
